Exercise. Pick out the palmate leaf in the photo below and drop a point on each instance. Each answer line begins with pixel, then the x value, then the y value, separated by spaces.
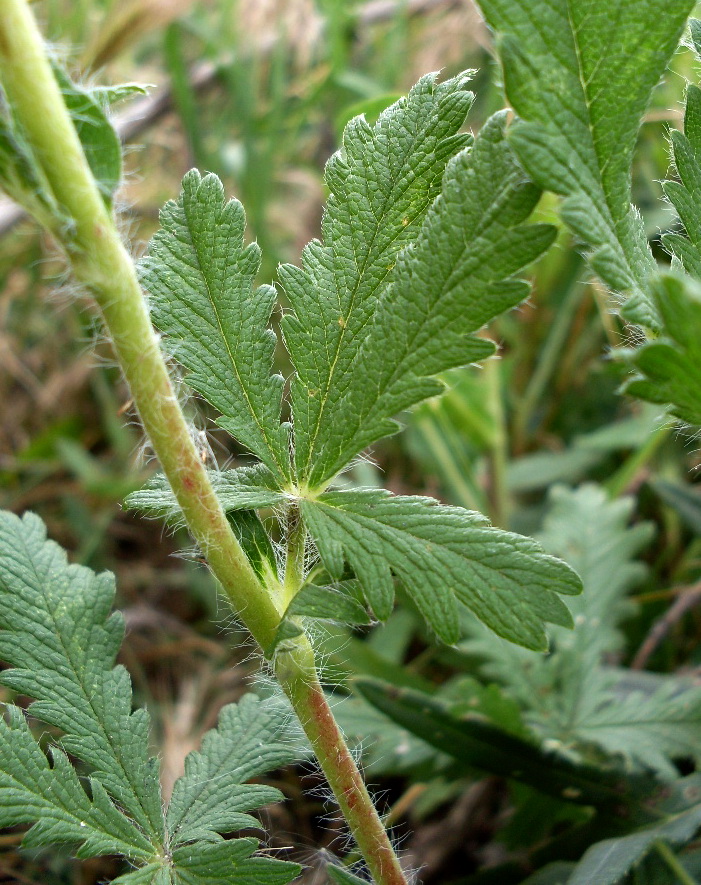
pixel 382 183
pixel 447 285
pixel 200 278
pixel 670 367
pixel 57 633
pixel 443 556
pixel 580 75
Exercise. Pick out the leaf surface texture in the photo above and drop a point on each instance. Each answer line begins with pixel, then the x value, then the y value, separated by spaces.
pixel 443 556
pixel 200 278
pixel 580 74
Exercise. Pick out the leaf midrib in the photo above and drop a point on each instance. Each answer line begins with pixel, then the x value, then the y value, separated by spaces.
pixel 220 326
pixel 69 657
pixel 356 288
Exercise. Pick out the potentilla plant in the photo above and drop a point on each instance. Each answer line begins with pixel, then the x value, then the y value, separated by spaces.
pixel 424 234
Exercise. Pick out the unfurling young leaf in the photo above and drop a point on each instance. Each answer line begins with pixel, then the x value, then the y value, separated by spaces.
pixel 57 634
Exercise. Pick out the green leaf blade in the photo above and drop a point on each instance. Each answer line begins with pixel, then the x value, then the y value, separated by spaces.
pixel 382 183
pixel 224 863
pixel 455 278
pixel 211 797
pixel 58 637
pixel 200 278
pixel 580 75
pixel 670 367
pixel 443 556
pixel 54 802
pixel 243 488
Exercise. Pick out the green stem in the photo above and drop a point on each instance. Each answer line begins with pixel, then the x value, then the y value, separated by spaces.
pixel 294 564
pixel 672 861
pixel 101 263
pixel 498 456
pixel 297 675
pixel 629 470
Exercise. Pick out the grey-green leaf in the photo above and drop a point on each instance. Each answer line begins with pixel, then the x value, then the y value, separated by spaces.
pixel 382 183
pixel 57 634
pixel 443 556
pixel 211 797
pixel 200 278
pixel 456 277
pixel 607 862
pixel 580 75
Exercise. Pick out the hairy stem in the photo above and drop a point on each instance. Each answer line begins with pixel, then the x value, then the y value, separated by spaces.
pixel 294 565
pixel 101 264
pixel 297 675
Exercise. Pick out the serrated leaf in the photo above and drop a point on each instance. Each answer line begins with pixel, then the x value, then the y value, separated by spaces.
pixel 229 863
pixel 580 76
pixel 570 696
pixel 200 278
pixel 340 604
pixel 443 556
pixel 684 194
pixel 592 534
pixel 151 874
pixel 607 862
pixel 452 280
pixel 57 634
pixel 52 799
pixel 244 488
pixel 670 367
pixel 211 797
pixel 646 727
pixel 382 183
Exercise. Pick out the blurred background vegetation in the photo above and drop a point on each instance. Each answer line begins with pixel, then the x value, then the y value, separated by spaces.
pixel 258 91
